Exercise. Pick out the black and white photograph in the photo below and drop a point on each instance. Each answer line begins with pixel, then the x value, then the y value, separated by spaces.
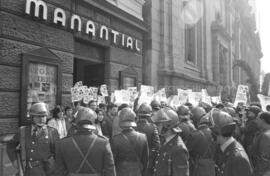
pixel 134 88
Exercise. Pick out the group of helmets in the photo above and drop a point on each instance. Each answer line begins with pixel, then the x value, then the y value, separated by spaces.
pixel 221 121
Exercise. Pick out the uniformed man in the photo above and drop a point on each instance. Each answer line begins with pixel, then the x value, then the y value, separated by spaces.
pixel 231 158
pixel 84 153
pixel 196 114
pixel 172 159
pixel 130 148
pixel 155 106
pixel 36 144
pixel 251 127
pixel 260 150
pixel 150 129
pixel 201 149
pixel 185 123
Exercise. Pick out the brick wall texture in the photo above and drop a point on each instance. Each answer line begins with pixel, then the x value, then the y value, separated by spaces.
pixel 20 33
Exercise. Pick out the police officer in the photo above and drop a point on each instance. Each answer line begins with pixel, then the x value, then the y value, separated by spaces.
pixel 150 129
pixel 201 148
pixel 84 152
pixel 196 114
pixel 231 158
pixel 185 124
pixel 36 144
pixel 172 159
pixel 130 148
pixel 251 127
pixel 260 150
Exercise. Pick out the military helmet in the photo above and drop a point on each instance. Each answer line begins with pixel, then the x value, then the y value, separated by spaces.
pixel 219 121
pixel 38 109
pixel 85 116
pixel 230 110
pixel 197 113
pixel 160 116
pixel 168 118
pixel 183 110
pixel 145 110
pixel 155 105
pixel 127 118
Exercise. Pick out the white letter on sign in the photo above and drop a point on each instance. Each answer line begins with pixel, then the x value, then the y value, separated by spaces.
pixel 77 18
pixel 115 34
pixel 129 43
pixel 102 29
pixel 90 28
pixel 38 4
pixel 59 16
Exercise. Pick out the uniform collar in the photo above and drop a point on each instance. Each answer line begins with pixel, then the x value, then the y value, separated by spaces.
pixel 226 144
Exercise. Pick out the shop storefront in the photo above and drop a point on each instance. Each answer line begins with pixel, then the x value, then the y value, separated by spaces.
pixel 47 46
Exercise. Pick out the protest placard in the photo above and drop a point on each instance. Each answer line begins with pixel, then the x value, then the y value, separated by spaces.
pixel 104 90
pixel 183 95
pixel 241 95
pixel 264 100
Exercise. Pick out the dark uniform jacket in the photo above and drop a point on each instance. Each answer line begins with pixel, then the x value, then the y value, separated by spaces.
pixel 187 128
pixel 233 161
pixel 131 154
pixel 39 150
pixel 260 153
pixel 69 158
pixel 151 132
pixel 106 126
pixel 201 149
pixel 172 159
pixel 249 132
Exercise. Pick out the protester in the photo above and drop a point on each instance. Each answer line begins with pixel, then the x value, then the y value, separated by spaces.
pixel 99 121
pixel 58 121
pixel 108 120
pixel 92 105
pixel 68 117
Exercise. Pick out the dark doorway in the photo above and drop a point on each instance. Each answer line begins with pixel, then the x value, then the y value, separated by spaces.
pixel 90 73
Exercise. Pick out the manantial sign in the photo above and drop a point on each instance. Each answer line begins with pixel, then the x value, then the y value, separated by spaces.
pixel 92 29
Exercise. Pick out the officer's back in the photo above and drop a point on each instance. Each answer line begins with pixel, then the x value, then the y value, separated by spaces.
pixel 130 148
pixel 85 152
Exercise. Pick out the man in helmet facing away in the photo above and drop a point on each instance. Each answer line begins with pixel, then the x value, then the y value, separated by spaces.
pixel 201 147
pixel 150 129
pixel 36 144
pixel 231 158
pixel 84 153
pixel 130 148
pixel 172 159
pixel 185 123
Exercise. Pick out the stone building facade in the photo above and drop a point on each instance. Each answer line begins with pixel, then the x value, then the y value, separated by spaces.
pixel 193 44
pixel 48 45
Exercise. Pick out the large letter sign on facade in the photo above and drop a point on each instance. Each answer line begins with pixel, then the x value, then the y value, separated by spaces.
pixel 58 18
pixel 38 4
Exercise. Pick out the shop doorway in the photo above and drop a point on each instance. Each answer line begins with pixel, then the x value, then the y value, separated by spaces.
pixel 89 72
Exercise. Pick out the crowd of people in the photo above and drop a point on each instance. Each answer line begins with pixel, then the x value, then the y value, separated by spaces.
pixel 148 140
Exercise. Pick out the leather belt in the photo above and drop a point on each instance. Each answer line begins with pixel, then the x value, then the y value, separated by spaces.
pixel 32 164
